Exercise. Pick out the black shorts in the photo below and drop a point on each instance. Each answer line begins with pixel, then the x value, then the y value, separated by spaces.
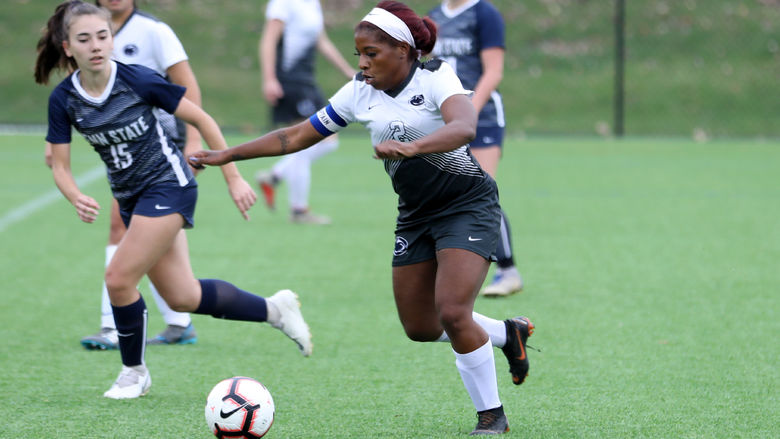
pixel 473 230
pixel 160 200
pixel 299 102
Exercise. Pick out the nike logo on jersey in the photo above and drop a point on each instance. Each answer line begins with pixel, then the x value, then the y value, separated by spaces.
pixel 158 207
pixel 474 239
pixel 372 106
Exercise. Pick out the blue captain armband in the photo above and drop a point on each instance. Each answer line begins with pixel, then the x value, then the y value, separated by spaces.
pixel 327 121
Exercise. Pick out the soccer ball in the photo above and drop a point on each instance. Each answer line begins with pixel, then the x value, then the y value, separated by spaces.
pixel 239 407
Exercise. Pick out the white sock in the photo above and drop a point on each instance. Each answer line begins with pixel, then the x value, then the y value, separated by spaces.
pixel 496 330
pixel 478 372
pixel 273 316
pixel 106 312
pixel 295 169
pixel 170 316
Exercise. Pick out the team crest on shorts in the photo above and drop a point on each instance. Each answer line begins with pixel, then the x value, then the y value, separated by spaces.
pixel 401 246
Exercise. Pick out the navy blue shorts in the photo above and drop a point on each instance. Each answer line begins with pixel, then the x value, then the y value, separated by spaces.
pixel 488 136
pixel 160 200
pixel 473 230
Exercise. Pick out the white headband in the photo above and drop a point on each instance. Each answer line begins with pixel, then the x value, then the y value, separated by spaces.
pixel 388 22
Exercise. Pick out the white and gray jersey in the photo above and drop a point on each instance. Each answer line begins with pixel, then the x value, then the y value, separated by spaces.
pixel 428 185
pixel 147 41
pixel 463 34
pixel 303 24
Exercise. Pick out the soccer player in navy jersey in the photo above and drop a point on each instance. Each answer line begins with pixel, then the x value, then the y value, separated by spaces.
pixel 116 107
pixel 140 38
pixel 420 120
pixel 471 40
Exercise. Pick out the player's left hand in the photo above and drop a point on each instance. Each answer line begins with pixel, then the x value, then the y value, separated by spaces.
pixel 243 195
pixel 393 149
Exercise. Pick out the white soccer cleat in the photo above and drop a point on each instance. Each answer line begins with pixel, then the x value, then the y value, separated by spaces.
pixel 291 320
pixel 504 284
pixel 132 382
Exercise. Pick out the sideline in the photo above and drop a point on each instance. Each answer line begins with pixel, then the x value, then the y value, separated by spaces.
pixel 25 210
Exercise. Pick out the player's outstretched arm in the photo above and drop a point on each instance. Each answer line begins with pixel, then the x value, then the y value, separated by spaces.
pixel 86 207
pixel 240 191
pixel 279 142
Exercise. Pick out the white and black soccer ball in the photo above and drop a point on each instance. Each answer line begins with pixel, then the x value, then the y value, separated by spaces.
pixel 239 407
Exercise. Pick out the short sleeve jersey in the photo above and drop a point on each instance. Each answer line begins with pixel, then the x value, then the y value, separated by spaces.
pixel 463 33
pixel 303 24
pixel 122 126
pixel 428 185
pixel 147 41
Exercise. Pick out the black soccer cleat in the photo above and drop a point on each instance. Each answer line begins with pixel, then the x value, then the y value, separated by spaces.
pixel 518 330
pixel 491 421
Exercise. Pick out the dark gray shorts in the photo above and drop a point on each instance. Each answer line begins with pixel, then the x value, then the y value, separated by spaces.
pixel 473 230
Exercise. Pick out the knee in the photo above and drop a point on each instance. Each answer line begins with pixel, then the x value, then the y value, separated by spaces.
pixel 421 334
pixel 116 231
pixel 180 304
pixel 116 283
pixel 455 318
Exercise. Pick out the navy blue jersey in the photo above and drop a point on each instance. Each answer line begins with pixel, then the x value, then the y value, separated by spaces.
pixel 462 34
pixel 123 127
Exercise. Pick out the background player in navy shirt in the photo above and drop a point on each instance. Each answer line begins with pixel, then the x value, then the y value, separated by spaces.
pixel 420 119
pixel 115 107
pixel 471 40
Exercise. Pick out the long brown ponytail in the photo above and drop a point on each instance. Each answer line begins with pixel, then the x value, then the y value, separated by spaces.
pixel 51 55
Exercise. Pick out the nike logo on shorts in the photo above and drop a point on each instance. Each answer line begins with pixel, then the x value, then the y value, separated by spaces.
pixel 158 207
pixel 474 239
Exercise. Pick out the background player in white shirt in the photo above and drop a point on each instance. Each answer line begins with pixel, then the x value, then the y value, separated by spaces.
pixel 294 30
pixel 420 119
pixel 142 39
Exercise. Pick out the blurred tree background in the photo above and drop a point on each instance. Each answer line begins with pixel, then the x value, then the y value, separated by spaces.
pixel 701 68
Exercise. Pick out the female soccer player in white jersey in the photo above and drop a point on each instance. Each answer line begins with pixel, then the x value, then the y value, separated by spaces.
pixel 471 40
pixel 114 106
pixel 293 30
pixel 420 120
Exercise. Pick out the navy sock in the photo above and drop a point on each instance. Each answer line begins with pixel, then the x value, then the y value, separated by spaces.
pixel 504 256
pixel 224 300
pixel 131 325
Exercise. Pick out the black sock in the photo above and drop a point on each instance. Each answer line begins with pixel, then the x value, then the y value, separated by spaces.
pixel 224 300
pixel 504 256
pixel 130 323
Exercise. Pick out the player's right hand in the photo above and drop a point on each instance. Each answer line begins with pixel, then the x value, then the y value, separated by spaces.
pixel 86 208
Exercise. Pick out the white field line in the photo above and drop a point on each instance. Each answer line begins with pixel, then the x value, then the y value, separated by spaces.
pixel 25 210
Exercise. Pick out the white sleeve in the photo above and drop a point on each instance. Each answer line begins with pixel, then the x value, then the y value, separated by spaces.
pixel 170 50
pixel 279 10
pixel 338 113
pixel 445 83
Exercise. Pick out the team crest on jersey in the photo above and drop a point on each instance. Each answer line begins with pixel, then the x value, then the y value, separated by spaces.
pixel 401 246
pixel 417 100
pixel 130 50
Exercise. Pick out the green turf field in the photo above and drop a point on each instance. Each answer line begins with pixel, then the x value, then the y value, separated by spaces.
pixel 650 268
